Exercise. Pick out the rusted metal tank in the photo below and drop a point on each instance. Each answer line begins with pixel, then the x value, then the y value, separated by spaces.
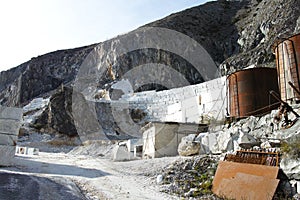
pixel 287 52
pixel 248 92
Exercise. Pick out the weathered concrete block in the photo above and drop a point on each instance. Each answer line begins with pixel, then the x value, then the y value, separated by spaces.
pixel 149 143
pixel 191 111
pixel 10 140
pixel 190 102
pixel 11 113
pixel 9 126
pixel 120 153
pixel 7 155
pixel 192 119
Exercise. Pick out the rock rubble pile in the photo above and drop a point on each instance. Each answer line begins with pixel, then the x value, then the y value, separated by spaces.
pixel 190 178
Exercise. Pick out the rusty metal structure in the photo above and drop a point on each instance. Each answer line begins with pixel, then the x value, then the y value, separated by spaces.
pixel 248 92
pixel 254 157
pixel 287 52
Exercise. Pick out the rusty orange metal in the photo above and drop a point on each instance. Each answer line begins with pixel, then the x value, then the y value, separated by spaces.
pixel 245 181
pixel 254 157
pixel 287 52
pixel 246 186
pixel 248 92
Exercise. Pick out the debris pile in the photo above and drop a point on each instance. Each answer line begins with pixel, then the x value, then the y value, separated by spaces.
pixel 190 177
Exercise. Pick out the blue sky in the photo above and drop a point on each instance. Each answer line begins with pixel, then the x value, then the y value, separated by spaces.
pixel 34 27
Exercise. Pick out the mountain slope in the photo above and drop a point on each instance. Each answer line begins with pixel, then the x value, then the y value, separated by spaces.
pixel 236 34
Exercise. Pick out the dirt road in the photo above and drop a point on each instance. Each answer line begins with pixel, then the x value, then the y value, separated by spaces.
pixel 97 178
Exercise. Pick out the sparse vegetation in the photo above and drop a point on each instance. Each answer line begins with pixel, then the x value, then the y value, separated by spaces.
pixel 190 178
pixel 292 147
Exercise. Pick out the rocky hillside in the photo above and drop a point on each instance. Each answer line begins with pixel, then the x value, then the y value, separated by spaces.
pixel 236 33
pixel 40 75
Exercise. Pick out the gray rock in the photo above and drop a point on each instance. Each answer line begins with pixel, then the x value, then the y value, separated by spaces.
pixel 188 146
pixel 58 116
pixel 290 166
pixel 159 179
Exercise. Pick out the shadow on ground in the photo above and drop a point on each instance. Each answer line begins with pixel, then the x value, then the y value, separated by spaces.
pixel 23 187
pixel 31 166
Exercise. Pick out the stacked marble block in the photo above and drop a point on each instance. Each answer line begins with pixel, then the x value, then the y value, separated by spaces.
pixel 10 122
pixel 185 104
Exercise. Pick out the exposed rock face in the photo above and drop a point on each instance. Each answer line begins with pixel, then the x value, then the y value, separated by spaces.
pixel 236 34
pixel 58 117
pixel 40 75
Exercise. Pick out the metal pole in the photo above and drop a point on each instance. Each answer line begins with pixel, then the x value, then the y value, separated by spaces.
pixel 294 87
pixel 274 94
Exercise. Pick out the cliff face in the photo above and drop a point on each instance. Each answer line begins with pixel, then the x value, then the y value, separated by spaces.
pixel 40 75
pixel 235 33
pixel 238 33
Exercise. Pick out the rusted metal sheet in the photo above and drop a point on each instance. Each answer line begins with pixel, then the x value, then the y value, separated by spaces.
pixel 287 52
pixel 228 170
pixel 248 92
pixel 245 186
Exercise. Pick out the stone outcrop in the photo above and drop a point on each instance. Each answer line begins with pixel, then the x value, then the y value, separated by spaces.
pixel 58 117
